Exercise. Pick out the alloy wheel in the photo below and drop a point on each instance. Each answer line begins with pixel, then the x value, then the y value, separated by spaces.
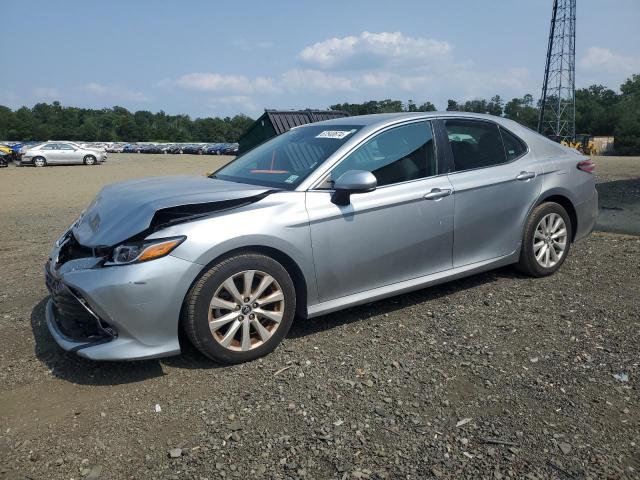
pixel 550 240
pixel 246 310
pixel 39 162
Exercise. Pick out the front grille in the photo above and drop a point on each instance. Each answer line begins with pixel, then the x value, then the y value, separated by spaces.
pixel 74 319
pixel 71 250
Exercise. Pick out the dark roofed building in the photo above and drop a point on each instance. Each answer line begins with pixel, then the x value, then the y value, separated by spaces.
pixel 276 122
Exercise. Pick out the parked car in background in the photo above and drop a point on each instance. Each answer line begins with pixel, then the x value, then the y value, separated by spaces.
pixel 217 149
pixel 194 149
pixel 230 149
pixel 391 203
pixel 115 148
pixel 151 148
pixel 130 148
pixel 16 152
pixel 54 153
pixel 172 148
pixel 214 149
pixel 5 155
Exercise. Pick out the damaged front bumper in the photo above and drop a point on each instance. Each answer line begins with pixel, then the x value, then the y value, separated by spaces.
pixel 117 313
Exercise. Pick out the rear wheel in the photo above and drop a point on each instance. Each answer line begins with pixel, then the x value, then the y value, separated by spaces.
pixel 89 160
pixel 240 309
pixel 546 242
pixel 39 162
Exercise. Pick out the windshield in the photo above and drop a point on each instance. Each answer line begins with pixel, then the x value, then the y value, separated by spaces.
pixel 286 160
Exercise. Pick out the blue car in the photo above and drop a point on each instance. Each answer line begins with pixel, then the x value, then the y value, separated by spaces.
pixel 217 149
pixel 130 149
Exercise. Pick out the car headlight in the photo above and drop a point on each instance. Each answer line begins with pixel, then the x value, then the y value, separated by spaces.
pixel 144 251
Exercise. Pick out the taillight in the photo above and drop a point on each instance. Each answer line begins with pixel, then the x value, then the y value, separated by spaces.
pixel 587 166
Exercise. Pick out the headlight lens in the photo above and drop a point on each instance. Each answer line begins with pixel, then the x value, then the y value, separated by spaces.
pixel 138 252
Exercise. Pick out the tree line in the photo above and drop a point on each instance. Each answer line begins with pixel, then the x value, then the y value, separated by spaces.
pixel 600 111
pixel 53 121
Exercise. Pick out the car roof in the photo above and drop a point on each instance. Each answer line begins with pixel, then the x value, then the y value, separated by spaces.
pixel 379 119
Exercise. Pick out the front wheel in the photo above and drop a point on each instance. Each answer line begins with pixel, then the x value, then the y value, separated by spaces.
pixel 89 160
pixel 240 309
pixel 546 241
pixel 39 162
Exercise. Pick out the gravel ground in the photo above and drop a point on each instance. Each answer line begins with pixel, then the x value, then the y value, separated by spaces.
pixel 493 376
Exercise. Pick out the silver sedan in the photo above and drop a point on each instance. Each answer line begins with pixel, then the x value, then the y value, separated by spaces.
pixel 56 153
pixel 324 217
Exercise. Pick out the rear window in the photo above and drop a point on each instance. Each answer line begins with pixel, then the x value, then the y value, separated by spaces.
pixel 513 146
pixel 475 144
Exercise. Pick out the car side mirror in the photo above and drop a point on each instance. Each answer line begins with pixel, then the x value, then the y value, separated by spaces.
pixel 350 182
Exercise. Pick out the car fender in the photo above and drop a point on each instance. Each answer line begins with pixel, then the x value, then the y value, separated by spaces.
pixel 261 243
pixel 278 222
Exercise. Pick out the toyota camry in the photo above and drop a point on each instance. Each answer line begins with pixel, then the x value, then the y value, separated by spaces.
pixel 323 217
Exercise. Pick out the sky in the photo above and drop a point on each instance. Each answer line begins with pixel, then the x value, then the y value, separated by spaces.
pixel 215 58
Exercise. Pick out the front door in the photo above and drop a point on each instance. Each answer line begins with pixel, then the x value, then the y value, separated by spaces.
pixel 401 230
pixel 51 153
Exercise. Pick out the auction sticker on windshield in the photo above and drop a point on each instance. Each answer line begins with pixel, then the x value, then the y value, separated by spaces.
pixel 337 134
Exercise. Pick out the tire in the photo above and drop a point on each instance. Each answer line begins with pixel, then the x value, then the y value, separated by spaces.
pixel 89 160
pixel 534 231
pixel 199 311
pixel 40 162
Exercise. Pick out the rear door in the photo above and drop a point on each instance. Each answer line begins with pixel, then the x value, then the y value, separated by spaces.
pixel 390 234
pixel 496 181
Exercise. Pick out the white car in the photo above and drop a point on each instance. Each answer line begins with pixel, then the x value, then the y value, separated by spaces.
pixel 54 153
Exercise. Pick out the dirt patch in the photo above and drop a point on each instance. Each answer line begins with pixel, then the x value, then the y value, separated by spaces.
pixel 496 375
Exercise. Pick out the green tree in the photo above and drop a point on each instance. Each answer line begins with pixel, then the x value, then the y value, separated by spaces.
pixel 452 106
pixel 522 110
pixel 494 107
pixel 627 129
pixel 595 110
pixel 53 121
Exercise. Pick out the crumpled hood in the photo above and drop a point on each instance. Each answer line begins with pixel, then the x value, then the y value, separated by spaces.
pixel 122 210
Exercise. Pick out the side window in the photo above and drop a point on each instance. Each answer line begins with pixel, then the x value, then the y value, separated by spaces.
pixel 64 146
pixel 50 146
pixel 397 155
pixel 475 144
pixel 513 146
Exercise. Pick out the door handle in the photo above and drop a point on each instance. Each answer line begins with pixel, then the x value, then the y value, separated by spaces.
pixel 525 176
pixel 437 193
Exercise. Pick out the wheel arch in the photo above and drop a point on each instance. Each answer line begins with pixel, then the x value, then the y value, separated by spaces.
pixel 289 264
pixel 565 202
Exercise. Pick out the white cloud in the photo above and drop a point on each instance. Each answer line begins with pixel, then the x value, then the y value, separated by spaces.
pixel 363 67
pixel 394 65
pixel 216 82
pixel 371 49
pixel 600 59
pixel 114 92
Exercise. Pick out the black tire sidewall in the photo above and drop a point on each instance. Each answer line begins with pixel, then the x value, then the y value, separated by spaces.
pixel 528 261
pixel 200 296
pixel 88 157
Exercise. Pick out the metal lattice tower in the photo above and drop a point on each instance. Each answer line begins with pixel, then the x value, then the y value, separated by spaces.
pixel 558 103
